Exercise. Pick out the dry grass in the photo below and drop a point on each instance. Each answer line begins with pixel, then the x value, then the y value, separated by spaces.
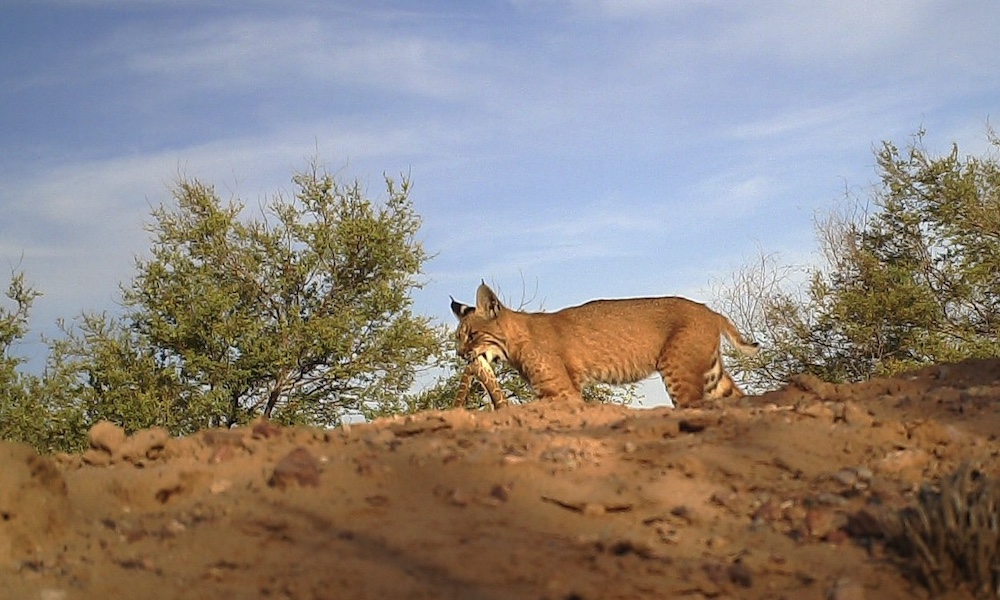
pixel 950 538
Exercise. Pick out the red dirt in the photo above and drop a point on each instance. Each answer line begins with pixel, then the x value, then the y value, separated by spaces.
pixel 773 496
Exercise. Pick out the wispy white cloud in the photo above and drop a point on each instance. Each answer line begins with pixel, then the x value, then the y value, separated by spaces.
pixel 252 50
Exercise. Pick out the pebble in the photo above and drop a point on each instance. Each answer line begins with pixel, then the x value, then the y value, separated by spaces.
pixel 820 522
pixel 831 499
pixel 847 477
pixel 846 588
pixel 855 414
pixel 299 467
pixel 264 429
pixel 818 410
pixel 106 436
pixel 147 443
pixel 740 574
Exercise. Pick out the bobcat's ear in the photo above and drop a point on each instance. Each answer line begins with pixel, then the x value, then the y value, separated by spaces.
pixel 460 309
pixel 487 302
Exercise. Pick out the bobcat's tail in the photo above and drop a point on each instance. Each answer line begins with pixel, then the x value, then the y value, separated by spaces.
pixel 736 339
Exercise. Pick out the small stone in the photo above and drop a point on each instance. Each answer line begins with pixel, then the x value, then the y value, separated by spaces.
pixel 298 467
pixel 906 464
pixel 769 512
pixel 855 414
pixel 264 429
pixel 829 499
pixel 846 588
pixel 836 537
pixel 795 512
pixel 813 384
pixel 683 513
pixel 220 485
pixel 717 542
pixel 500 493
pixel 865 523
pixel 96 458
pixel 380 437
pixel 930 433
pixel 148 443
pixel 175 527
pixel 819 522
pixel 459 498
pixel 846 477
pixel 818 410
pixel 106 436
pixel 740 574
pixel 221 454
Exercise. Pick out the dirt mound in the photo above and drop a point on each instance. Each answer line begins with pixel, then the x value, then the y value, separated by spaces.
pixel 774 496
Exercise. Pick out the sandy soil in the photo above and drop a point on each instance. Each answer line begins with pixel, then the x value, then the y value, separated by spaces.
pixel 774 496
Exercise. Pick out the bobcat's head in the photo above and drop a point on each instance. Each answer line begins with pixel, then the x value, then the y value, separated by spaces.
pixel 479 332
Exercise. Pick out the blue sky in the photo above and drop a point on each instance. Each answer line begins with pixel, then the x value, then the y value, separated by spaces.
pixel 560 149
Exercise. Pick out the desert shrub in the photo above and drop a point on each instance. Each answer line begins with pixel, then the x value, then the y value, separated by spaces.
pixel 906 277
pixel 950 537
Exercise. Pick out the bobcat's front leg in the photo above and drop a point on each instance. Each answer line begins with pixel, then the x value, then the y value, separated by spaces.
pixel 549 379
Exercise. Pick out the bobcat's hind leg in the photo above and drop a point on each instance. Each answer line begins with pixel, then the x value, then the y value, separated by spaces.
pixel 683 388
pixel 687 369
pixel 684 385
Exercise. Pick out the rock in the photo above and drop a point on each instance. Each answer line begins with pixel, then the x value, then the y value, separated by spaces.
pixel 768 512
pixel 145 444
pixel 740 574
pixel 815 385
pixel 264 429
pixel 907 464
pixel 298 467
pixel 96 458
pixel 829 499
pixel 820 522
pixel 931 433
pixel 221 454
pixel 846 477
pixel 106 436
pixel 846 588
pixel 855 414
pixel 34 504
pixel 500 492
pixel 818 410
pixel 865 523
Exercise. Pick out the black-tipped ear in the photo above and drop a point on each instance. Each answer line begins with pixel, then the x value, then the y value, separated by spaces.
pixel 460 309
pixel 487 302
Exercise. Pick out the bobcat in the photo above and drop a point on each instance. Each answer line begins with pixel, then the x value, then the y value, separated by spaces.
pixel 605 341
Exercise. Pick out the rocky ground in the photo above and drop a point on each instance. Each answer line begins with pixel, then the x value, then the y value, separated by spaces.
pixel 783 495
